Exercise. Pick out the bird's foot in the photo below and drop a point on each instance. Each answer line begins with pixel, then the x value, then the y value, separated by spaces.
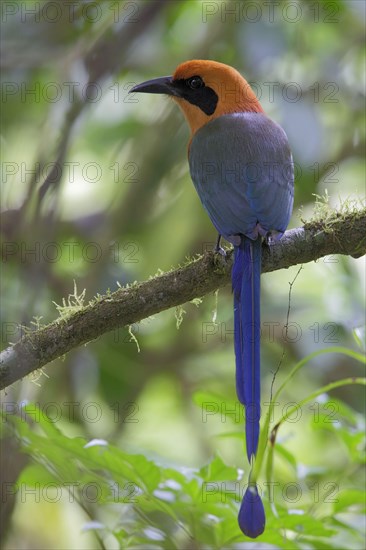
pixel 272 237
pixel 218 249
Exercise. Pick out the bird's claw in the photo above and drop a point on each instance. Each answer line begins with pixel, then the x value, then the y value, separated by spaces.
pixel 272 237
pixel 219 250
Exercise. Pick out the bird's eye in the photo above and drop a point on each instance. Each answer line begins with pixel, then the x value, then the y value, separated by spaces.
pixel 195 82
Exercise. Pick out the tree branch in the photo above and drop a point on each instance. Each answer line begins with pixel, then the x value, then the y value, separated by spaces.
pixel 338 233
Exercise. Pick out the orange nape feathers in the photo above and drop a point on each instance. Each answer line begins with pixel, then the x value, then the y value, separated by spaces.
pixel 234 93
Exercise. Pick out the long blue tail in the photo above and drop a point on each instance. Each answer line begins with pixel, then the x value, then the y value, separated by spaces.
pixel 246 288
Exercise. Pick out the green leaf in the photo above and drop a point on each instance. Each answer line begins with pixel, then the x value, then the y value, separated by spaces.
pixel 264 434
pixel 350 498
pixel 215 404
pixel 216 470
pixel 301 522
pixel 289 457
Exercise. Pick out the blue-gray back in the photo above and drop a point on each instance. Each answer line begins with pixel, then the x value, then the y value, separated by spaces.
pixel 242 168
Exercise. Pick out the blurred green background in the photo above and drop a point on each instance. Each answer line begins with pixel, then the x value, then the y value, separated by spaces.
pixel 96 189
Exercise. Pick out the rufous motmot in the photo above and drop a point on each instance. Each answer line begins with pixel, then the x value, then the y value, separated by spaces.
pixel 241 165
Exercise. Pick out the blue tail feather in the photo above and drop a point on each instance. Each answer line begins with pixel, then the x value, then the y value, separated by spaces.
pixel 246 289
pixel 251 517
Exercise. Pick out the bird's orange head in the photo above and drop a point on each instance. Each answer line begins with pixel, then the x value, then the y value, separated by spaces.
pixel 205 90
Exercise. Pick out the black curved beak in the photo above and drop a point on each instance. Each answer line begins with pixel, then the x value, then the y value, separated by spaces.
pixel 162 85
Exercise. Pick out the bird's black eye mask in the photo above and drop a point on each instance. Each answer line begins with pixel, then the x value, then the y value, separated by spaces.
pixel 195 91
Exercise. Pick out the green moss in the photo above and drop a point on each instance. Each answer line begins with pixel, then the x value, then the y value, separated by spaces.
pixel 133 338
pixel 325 217
pixel 179 314
pixel 74 303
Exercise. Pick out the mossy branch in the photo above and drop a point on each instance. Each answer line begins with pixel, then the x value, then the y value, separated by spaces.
pixel 331 233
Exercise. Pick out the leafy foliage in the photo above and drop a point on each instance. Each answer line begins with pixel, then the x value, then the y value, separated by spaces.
pixel 173 507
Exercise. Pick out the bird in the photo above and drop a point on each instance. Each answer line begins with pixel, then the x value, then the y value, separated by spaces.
pixel 241 165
